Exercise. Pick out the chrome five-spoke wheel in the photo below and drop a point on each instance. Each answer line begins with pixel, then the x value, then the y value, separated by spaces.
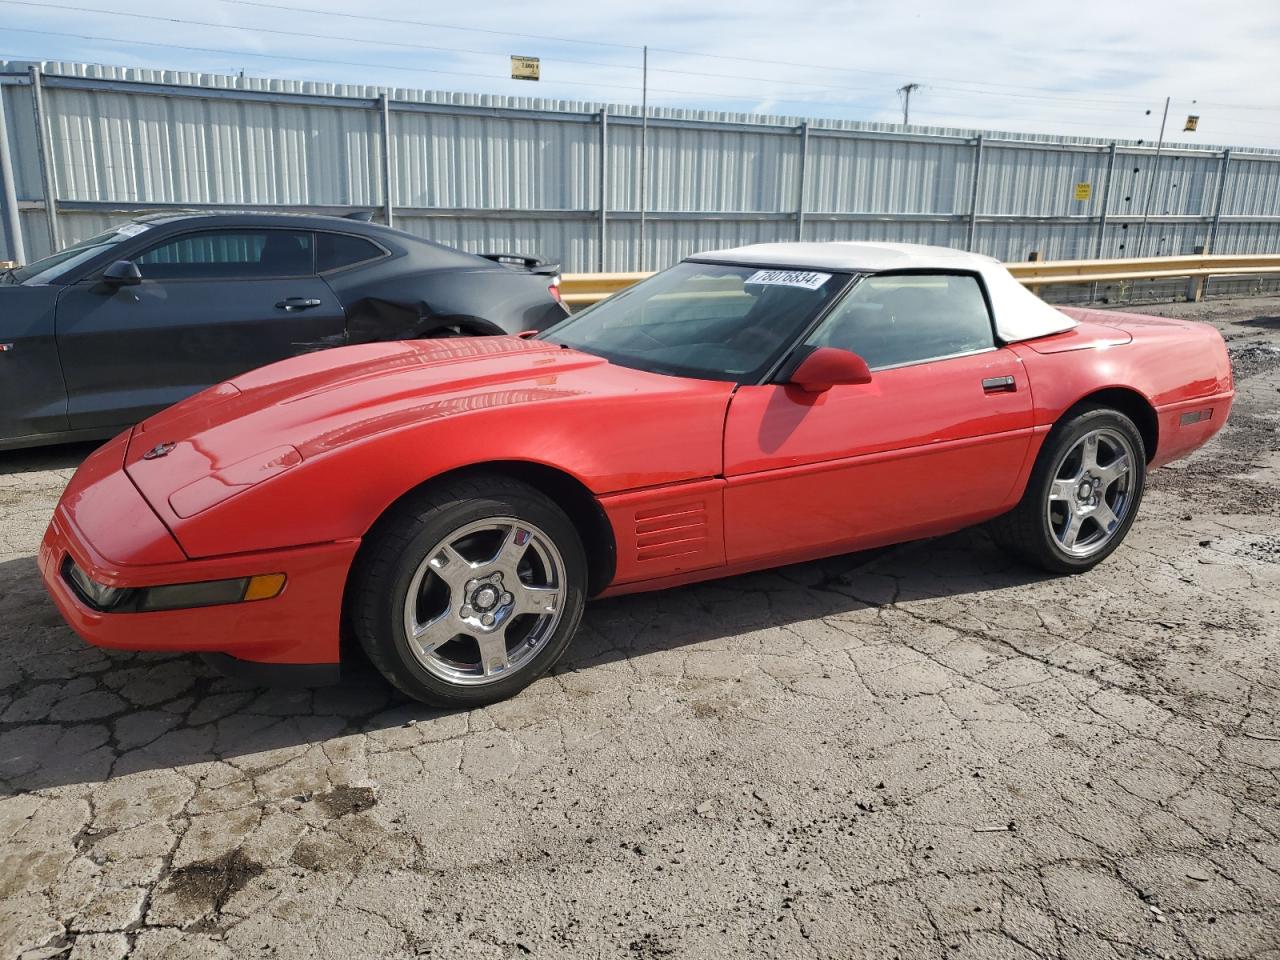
pixel 1090 494
pixel 1083 494
pixel 485 600
pixel 469 589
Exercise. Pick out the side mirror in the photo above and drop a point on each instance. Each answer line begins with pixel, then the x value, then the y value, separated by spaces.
pixel 827 367
pixel 122 273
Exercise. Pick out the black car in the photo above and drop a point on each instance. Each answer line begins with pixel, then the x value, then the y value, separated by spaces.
pixel 104 333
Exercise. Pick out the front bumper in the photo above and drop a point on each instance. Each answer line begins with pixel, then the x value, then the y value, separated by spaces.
pixel 300 626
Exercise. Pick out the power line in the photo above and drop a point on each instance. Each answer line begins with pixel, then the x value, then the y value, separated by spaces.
pixel 967 97
pixel 1092 103
pixel 418 46
pixel 408 46
pixel 944 121
pixel 684 53
pixel 738 97
pixel 882 73
pixel 279 32
pixel 315 36
pixel 387 66
pixel 434 26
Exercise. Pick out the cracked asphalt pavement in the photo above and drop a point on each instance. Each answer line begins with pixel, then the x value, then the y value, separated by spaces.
pixel 929 751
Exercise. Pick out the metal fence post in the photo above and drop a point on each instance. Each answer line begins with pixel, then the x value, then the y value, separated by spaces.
pixel 44 149
pixel 388 188
pixel 1102 215
pixel 603 235
pixel 1106 200
pixel 973 197
pixel 803 177
pixel 1222 194
pixel 644 153
pixel 8 193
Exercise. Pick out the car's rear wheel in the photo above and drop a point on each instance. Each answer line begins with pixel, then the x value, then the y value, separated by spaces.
pixel 1083 494
pixel 468 592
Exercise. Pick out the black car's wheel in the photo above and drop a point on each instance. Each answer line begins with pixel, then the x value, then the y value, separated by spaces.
pixel 465 594
pixel 1082 496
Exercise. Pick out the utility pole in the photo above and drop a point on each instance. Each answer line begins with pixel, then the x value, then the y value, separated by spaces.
pixel 905 92
pixel 1151 181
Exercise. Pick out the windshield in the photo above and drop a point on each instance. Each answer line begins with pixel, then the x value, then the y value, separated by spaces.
pixel 703 320
pixel 50 268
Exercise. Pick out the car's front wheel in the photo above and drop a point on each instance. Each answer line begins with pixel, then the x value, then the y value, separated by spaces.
pixel 465 594
pixel 1082 496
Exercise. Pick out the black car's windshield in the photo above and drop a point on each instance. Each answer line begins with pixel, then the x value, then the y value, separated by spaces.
pixel 52 267
pixel 704 320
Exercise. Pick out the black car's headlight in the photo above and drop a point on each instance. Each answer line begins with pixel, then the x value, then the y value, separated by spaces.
pixel 177 596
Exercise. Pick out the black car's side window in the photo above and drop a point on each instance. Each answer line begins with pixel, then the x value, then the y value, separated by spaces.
pixel 228 255
pixel 337 250
pixel 895 320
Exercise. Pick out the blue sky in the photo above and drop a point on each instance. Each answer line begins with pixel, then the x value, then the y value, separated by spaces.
pixel 1090 69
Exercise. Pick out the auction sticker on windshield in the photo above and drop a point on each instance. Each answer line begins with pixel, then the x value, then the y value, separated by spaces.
pixel 788 278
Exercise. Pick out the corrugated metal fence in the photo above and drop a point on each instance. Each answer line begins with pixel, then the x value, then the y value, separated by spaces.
pixel 90 145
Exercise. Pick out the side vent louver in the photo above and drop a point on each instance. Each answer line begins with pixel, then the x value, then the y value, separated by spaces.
pixel 672 530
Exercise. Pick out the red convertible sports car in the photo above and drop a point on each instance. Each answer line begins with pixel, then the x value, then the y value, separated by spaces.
pixel 451 505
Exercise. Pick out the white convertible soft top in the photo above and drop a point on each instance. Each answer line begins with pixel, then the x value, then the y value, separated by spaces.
pixel 1019 313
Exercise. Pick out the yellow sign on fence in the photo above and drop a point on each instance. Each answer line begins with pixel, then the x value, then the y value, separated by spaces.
pixel 1084 191
pixel 524 68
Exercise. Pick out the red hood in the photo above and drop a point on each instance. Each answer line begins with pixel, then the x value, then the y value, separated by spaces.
pixel 270 421
pixel 321 400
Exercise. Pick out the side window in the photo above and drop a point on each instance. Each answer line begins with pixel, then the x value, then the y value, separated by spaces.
pixel 908 318
pixel 335 250
pixel 229 254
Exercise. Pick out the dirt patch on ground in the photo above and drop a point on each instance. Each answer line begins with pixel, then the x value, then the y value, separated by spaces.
pixel 1250 359
pixel 1264 549
pixel 210 883
pixel 342 801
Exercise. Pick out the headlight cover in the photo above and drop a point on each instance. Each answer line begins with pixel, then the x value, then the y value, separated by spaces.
pixel 177 596
pixel 97 595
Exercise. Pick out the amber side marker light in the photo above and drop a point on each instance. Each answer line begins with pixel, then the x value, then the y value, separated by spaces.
pixel 264 586
pixel 178 596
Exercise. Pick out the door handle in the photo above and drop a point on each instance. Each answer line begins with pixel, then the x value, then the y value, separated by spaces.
pixel 297 303
pixel 999 385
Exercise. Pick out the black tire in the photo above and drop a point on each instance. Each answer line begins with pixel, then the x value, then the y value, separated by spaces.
pixel 1026 530
pixel 398 546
